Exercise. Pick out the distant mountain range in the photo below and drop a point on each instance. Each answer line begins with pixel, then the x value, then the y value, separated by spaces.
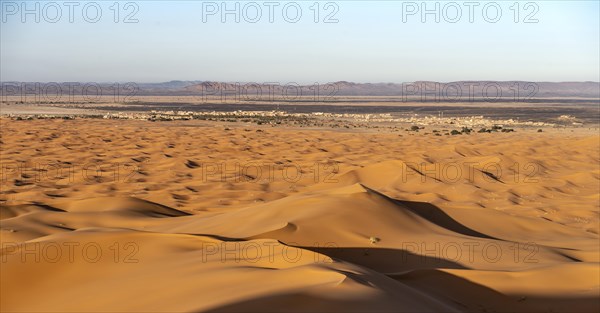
pixel 420 90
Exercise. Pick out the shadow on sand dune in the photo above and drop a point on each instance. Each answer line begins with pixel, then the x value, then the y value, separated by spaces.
pixel 456 293
pixel 386 260
pixel 471 296
pixel 434 215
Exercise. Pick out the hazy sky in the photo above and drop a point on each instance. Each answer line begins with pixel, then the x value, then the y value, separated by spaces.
pixel 372 41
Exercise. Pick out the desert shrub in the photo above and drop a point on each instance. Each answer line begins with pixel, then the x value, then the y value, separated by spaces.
pixel 414 128
pixel 455 132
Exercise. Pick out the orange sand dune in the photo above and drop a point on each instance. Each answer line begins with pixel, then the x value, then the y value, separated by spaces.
pixel 119 216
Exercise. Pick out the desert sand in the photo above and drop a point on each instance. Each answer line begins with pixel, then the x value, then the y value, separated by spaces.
pixel 116 216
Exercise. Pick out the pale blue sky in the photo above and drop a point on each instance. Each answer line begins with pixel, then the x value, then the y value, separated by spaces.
pixel 370 43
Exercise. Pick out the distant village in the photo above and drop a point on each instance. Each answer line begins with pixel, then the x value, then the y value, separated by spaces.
pixel 272 117
pixel 319 119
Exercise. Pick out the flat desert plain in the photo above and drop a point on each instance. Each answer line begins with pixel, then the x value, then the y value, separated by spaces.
pixel 139 216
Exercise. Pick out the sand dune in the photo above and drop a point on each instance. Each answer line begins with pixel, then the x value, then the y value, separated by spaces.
pixel 120 216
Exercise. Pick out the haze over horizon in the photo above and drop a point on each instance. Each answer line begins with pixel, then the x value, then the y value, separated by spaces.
pixel 554 41
pixel 230 81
